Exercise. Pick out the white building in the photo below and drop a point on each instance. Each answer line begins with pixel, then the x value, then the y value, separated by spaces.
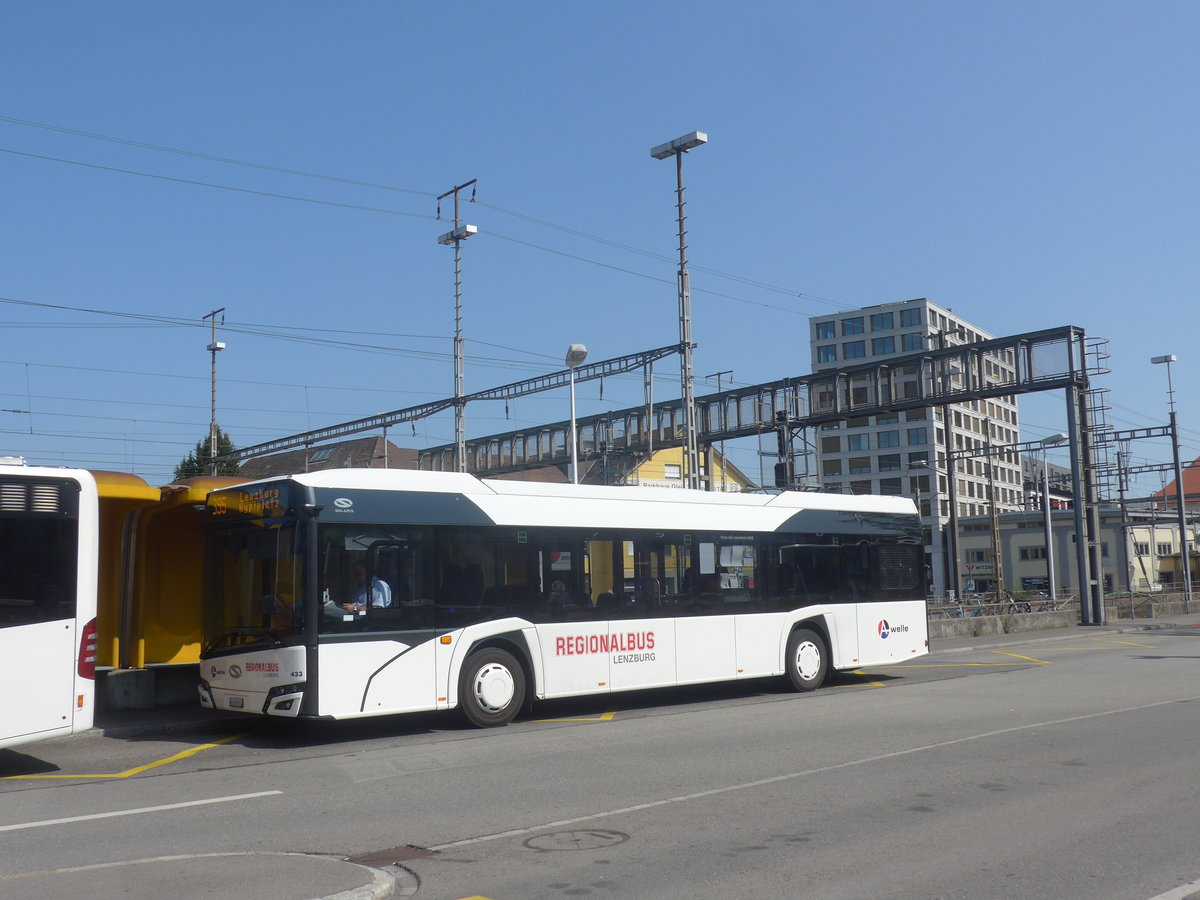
pixel 1139 551
pixel 905 453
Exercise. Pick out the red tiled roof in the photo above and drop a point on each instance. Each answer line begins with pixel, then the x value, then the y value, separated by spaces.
pixel 358 453
pixel 1191 484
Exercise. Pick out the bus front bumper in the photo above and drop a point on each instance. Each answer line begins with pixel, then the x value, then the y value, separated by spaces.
pixel 282 700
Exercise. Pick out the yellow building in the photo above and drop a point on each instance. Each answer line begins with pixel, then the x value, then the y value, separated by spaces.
pixel 665 469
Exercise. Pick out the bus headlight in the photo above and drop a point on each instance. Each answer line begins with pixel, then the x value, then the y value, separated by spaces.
pixel 284 700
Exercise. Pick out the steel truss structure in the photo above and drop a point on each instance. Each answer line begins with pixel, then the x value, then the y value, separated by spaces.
pixel 589 372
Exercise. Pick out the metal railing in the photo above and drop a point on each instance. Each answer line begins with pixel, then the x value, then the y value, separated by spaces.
pixel 977 606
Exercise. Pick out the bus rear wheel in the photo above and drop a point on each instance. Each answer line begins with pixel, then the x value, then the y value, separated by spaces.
pixel 491 689
pixel 807 660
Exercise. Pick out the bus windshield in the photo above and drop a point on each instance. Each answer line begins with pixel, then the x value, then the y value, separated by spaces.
pixel 253 584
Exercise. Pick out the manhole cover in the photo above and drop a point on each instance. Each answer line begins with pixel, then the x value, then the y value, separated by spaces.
pixel 592 839
pixel 393 856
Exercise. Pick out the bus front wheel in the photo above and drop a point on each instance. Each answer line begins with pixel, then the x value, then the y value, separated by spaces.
pixel 491 690
pixel 807 660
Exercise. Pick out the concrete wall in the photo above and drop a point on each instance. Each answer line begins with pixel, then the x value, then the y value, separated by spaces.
pixel 974 626
pixel 1144 606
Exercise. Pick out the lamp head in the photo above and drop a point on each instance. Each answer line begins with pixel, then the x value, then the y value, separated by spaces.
pixel 461 233
pixel 1159 360
pixel 576 354
pixel 679 145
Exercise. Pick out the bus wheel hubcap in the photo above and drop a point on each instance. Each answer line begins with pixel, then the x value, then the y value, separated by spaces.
pixel 808 660
pixel 494 687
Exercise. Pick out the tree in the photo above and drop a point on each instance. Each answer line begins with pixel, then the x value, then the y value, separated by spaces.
pixel 198 461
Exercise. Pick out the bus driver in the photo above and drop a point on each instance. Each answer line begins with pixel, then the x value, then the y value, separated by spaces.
pixel 379 592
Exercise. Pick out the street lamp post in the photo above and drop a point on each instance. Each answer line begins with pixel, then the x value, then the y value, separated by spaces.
pixel 1184 558
pixel 946 376
pixel 1047 442
pixel 677 148
pixel 576 354
pixel 931 487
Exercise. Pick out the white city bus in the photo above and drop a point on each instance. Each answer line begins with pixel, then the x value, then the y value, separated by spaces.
pixel 488 595
pixel 48 560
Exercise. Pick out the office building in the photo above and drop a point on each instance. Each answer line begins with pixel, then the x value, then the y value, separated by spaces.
pixel 905 452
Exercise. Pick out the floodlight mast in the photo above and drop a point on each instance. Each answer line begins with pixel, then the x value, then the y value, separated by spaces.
pixel 456 236
pixel 214 347
pixel 677 148
pixel 1185 561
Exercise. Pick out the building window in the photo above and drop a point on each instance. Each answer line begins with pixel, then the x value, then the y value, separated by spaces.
pixel 858 442
pixel 887 419
pixel 911 342
pixel 1033 553
pixel 860 487
pixel 883 345
pixel 890 487
pixel 854 350
pixel 672 471
pixel 860 465
pixel 831 467
pixel 1141 548
pixel 1166 549
pixel 831 444
pixel 918 436
pixel 825 331
pixel 910 318
pixel 889 439
pixel 915 415
pixel 852 326
pixel 882 322
pixel 979 556
pixel 321 454
pixel 889 462
pixel 920 458
pixel 827 353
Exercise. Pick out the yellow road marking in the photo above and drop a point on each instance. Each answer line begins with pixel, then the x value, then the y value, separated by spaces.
pixel 606 717
pixel 965 665
pixel 136 770
pixel 1091 649
pixel 864 675
pixel 1124 643
pixel 1019 656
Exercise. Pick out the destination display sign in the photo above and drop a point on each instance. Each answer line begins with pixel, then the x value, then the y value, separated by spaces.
pixel 258 502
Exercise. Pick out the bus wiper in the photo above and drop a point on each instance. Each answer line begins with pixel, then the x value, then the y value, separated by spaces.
pixel 243 639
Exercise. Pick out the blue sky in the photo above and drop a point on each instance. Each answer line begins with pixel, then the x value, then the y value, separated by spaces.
pixel 1029 165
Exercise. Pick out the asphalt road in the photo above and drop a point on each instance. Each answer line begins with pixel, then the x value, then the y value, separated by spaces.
pixel 1057 769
